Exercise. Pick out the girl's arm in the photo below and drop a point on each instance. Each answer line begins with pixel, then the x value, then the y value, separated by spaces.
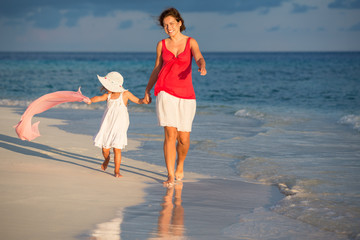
pixel 199 59
pixel 99 98
pixel 129 96
pixel 155 73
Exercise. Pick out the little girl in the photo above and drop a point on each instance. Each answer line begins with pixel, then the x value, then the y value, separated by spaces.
pixel 115 121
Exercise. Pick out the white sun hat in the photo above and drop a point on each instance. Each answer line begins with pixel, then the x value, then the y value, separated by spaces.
pixel 113 82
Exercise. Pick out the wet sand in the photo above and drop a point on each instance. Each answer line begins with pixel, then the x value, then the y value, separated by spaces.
pixel 53 188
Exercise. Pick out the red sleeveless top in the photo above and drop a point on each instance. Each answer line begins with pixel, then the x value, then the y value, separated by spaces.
pixel 175 74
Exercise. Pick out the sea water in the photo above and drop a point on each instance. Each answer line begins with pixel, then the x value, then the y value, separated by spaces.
pixel 286 119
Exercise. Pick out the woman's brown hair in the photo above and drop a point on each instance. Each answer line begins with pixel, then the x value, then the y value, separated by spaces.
pixel 174 13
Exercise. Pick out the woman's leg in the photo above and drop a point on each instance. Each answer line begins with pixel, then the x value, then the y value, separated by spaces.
pixel 117 161
pixel 170 152
pixel 182 150
pixel 106 154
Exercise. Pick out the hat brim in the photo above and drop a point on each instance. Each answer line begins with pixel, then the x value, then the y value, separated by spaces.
pixel 110 86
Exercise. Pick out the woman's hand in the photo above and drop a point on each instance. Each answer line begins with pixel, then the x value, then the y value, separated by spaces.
pixel 147 98
pixel 202 71
pixel 200 61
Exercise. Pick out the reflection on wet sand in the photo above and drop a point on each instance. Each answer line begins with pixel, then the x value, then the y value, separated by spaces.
pixel 170 224
pixel 211 205
pixel 110 230
pixel 171 216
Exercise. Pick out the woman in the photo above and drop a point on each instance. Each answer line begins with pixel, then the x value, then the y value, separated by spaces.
pixel 175 96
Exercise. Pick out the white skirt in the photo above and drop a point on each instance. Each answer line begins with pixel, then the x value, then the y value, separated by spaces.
pixel 175 112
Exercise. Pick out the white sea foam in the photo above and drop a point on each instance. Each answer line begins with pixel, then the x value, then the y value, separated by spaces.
pixel 268 117
pixel 267 171
pixel 351 120
pixel 15 103
pixel 316 210
pixel 260 224
pixel 247 113
pixel 70 105
pixel 323 209
pixel 73 105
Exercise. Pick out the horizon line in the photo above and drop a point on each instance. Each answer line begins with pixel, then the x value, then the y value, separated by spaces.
pixel 260 51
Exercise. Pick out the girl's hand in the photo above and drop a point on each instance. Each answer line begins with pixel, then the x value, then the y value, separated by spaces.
pixel 202 71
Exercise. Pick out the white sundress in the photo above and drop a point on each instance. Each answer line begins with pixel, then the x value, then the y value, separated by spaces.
pixel 114 125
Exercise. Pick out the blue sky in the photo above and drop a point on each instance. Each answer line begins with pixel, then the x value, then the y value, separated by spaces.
pixel 227 25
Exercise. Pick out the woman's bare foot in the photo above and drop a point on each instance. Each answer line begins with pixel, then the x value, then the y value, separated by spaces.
pixel 105 163
pixel 169 182
pixel 179 174
pixel 117 175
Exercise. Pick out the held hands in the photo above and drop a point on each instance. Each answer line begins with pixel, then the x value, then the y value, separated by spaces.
pixel 147 98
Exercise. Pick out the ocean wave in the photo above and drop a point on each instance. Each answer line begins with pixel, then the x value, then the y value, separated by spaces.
pixel 73 105
pixel 321 211
pixel 69 105
pixel 266 171
pixel 270 119
pixel 325 210
pixel 14 103
pixel 351 120
pixel 246 113
pixel 265 224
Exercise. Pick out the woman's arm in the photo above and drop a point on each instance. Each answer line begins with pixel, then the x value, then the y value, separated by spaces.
pixel 199 59
pixel 155 73
pixel 98 98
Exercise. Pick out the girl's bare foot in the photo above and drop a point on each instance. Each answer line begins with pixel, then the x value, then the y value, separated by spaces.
pixel 105 163
pixel 117 175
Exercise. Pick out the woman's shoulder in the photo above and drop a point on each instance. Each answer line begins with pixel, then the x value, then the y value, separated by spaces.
pixel 192 40
pixel 160 43
pixel 193 43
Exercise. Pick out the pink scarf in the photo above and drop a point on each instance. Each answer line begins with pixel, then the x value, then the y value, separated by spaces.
pixel 24 129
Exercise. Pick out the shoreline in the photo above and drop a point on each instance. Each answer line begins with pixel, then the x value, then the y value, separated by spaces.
pixel 54 189
pixel 200 209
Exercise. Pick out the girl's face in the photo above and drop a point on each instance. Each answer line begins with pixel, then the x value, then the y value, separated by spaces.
pixel 171 26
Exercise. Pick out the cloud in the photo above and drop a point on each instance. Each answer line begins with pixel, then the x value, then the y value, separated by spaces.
pixel 72 16
pixel 273 29
pixel 47 18
pixel 345 4
pixel 126 24
pixel 228 6
pixel 231 25
pixel 48 14
pixel 355 27
pixel 297 8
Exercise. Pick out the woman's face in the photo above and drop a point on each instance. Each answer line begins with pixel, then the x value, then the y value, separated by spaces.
pixel 171 26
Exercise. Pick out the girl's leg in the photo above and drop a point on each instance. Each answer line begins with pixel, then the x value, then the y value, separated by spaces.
pixel 117 161
pixel 170 152
pixel 182 149
pixel 106 154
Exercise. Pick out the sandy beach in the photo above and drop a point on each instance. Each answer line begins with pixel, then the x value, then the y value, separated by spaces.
pixel 53 188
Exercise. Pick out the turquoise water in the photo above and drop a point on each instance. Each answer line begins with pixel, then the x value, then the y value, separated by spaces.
pixel 288 119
